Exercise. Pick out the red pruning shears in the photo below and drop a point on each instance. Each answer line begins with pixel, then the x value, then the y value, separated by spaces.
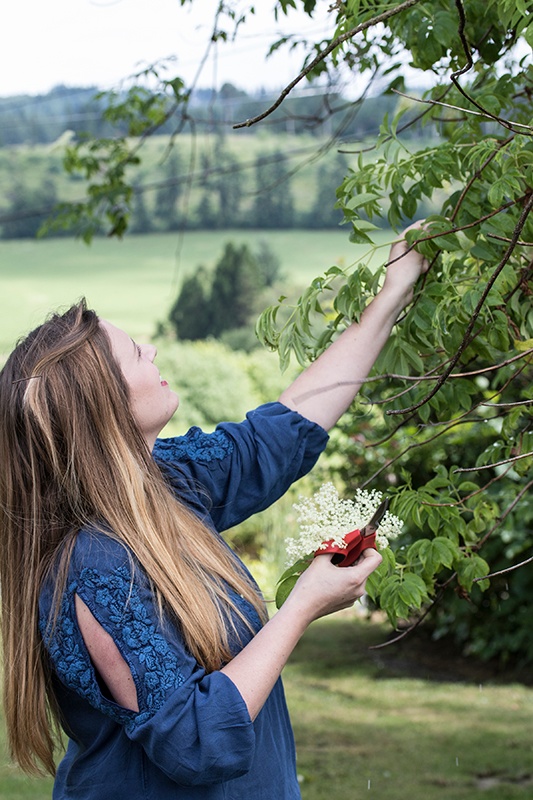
pixel 356 541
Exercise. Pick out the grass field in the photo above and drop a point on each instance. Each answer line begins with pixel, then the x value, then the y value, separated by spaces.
pixel 33 163
pixel 134 282
pixel 409 722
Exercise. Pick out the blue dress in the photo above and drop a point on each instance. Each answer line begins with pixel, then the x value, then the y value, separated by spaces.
pixel 192 737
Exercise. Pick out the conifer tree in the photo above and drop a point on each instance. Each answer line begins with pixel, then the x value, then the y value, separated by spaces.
pixel 191 315
pixel 235 289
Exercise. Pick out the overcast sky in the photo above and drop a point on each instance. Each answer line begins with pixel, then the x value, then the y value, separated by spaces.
pixel 44 43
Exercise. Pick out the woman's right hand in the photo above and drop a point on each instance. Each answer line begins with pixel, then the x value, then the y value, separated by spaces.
pixel 325 588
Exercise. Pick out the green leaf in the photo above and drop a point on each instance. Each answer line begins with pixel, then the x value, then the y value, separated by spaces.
pixel 443 551
pixel 470 568
pixel 402 593
pixel 358 200
pixel 297 568
pixel 284 589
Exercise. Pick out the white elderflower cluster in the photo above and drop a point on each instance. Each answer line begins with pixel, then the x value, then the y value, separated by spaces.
pixel 326 517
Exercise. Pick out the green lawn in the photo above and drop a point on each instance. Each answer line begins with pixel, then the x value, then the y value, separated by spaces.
pixel 134 281
pixel 404 723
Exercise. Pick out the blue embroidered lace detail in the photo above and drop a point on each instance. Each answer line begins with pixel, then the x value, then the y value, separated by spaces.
pixel 136 634
pixel 195 446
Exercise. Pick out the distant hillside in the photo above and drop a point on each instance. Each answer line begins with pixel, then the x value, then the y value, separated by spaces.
pixel 42 119
pixel 278 175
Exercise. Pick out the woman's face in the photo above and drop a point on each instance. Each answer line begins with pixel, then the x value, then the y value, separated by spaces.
pixel 153 401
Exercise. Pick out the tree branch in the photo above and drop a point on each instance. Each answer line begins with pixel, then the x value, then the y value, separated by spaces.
pixel 508 405
pixel 419 378
pixel 509 125
pixel 467 337
pixel 504 571
pixel 496 463
pixel 478 174
pixel 463 500
pixel 407 449
pixel 469 64
pixel 324 53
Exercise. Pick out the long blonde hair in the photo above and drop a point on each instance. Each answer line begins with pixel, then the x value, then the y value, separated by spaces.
pixel 72 455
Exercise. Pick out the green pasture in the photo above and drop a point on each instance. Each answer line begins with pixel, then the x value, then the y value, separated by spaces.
pixel 133 282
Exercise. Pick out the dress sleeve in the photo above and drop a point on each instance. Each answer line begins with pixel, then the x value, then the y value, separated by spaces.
pixel 244 467
pixel 194 726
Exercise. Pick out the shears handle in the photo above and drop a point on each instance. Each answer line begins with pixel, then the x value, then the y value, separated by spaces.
pixel 355 544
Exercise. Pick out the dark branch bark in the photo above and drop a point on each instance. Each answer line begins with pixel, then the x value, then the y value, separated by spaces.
pixel 467 337
pixel 324 54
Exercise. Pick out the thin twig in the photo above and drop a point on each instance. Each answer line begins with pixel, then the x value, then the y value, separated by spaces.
pixel 478 174
pixel 428 377
pixel 505 514
pixel 508 405
pixel 406 449
pixel 528 130
pixel 411 628
pixel 462 500
pixel 399 130
pixel 506 239
pixel 504 571
pixel 496 463
pixel 493 367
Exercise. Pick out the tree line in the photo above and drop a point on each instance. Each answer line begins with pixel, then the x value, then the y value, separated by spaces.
pixel 224 303
pixel 225 193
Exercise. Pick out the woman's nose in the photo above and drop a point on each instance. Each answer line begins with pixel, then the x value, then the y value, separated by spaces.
pixel 150 350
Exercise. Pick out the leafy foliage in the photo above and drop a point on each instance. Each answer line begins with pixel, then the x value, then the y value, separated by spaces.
pixel 204 371
pixel 452 391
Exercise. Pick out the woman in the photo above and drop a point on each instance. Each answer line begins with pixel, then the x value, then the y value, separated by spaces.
pixel 126 620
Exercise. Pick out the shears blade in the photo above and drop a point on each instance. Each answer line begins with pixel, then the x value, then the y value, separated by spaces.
pixel 373 524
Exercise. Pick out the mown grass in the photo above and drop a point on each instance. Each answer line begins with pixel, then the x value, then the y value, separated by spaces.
pixel 404 723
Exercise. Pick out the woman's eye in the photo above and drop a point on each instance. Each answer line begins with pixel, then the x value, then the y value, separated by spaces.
pixel 139 351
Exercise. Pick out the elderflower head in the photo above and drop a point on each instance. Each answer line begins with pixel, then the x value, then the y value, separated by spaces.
pixel 325 517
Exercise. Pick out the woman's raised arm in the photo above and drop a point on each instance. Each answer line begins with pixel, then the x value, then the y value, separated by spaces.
pixel 325 389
